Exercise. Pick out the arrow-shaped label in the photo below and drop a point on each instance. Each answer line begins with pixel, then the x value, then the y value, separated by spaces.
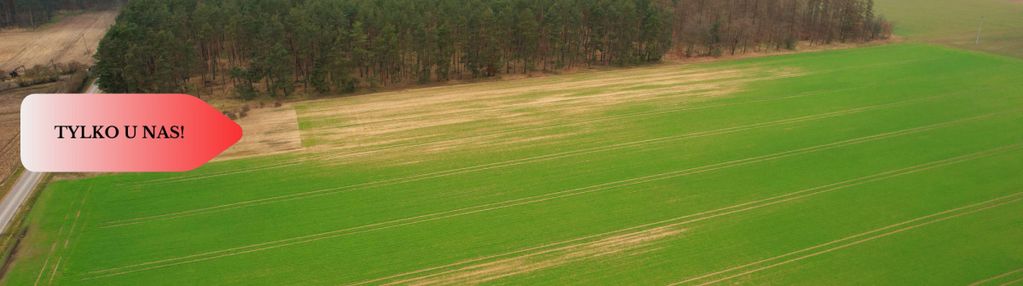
pixel 121 132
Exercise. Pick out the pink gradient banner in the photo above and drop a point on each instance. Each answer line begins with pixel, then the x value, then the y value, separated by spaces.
pixel 121 132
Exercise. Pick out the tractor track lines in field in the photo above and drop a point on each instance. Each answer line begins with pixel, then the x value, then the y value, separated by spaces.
pixel 10 143
pixel 53 247
pixel 851 241
pixel 505 204
pixel 1013 282
pixel 213 175
pixel 67 239
pixel 997 277
pixel 49 255
pixel 627 244
pixel 508 163
pixel 701 216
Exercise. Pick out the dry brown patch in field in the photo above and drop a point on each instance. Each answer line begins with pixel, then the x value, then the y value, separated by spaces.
pixel 73 39
pixel 266 131
pixel 417 102
pixel 616 245
pixel 410 99
pixel 422 106
pixel 423 121
pixel 468 143
pixel 462 102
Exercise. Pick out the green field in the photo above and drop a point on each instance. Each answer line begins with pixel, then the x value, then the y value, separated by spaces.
pixel 898 164
pixel 955 23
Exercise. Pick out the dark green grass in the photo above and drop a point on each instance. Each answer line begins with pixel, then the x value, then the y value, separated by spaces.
pixel 254 221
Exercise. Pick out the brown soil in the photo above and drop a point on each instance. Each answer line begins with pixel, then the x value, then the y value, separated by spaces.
pixel 73 39
pixel 10 107
pixel 266 131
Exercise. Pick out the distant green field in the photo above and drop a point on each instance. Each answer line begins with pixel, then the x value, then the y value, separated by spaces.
pixel 899 164
pixel 955 23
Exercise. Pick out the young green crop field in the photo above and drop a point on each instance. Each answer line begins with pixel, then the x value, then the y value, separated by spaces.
pixel 897 164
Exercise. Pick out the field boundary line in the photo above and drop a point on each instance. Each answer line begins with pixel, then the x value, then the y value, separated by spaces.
pixel 506 204
pixel 996 277
pixel 514 162
pixel 709 214
pixel 861 238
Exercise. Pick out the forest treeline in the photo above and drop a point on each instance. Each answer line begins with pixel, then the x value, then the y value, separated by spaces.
pixel 275 47
pixel 31 13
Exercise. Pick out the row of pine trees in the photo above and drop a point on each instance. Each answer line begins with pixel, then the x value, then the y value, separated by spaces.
pixel 276 47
